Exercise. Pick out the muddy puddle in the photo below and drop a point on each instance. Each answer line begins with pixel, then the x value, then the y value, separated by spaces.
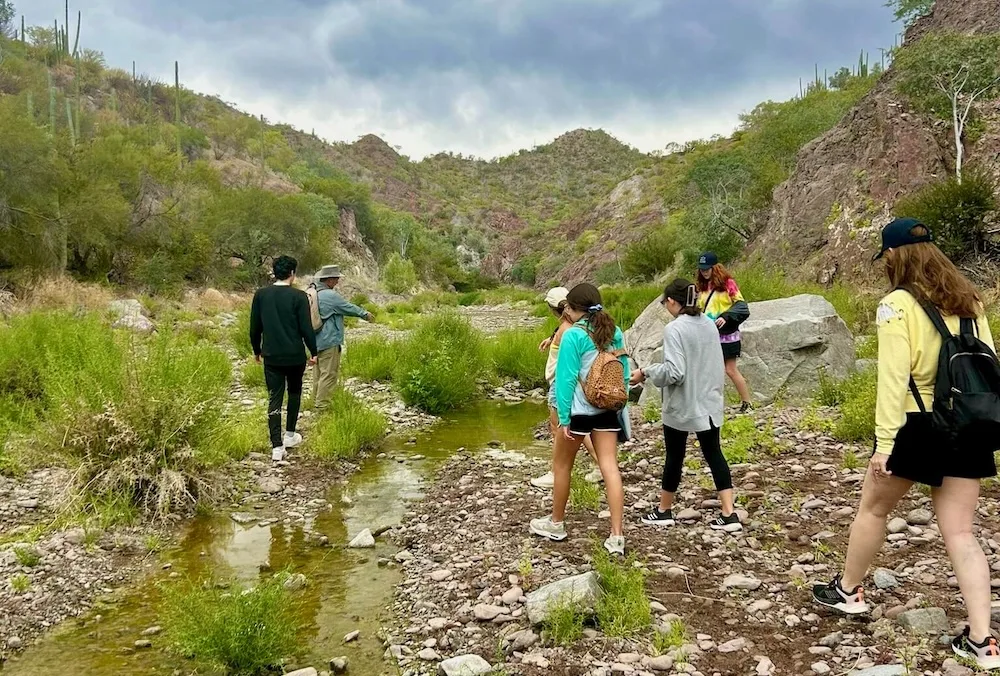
pixel 347 589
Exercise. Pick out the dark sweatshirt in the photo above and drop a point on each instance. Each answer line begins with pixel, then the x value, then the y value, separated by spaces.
pixel 280 327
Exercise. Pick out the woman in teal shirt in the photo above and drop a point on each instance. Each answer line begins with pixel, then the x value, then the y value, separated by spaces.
pixel 594 330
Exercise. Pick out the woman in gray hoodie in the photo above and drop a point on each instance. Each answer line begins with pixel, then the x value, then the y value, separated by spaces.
pixel 691 378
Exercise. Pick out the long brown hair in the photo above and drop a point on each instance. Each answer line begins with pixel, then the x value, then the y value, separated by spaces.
pixel 717 281
pixel 924 271
pixel 586 298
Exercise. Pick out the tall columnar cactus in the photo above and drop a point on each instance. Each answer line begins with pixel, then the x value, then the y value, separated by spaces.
pixel 52 105
pixel 76 42
pixel 114 100
pixel 177 108
pixel 79 111
pixel 69 122
pixel 66 29
pixel 24 38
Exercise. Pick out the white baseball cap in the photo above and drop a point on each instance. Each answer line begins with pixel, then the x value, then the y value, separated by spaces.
pixel 556 296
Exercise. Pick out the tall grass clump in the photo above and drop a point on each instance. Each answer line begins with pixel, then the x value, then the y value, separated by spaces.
pixel 252 375
pixel 584 494
pixel 742 440
pixel 347 428
pixel 371 359
pixel 239 334
pixel 247 632
pixel 515 355
pixel 857 407
pixel 564 622
pixel 623 609
pixel 626 303
pixel 439 363
pixel 145 446
pixel 48 359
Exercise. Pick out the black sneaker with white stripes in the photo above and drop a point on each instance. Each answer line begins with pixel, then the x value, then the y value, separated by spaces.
pixel 658 518
pixel 833 596
pixel 986 655
pixel 730 524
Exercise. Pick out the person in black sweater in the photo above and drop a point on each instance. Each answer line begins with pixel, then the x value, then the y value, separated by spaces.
pixel 280 332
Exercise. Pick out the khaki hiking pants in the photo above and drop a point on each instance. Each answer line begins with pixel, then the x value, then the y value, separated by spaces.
pixel 325 376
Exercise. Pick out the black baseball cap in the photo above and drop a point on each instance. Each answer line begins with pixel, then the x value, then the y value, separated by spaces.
pixel 899 233
pixel 707 261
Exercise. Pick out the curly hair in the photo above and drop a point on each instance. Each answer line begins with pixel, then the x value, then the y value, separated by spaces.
pixel 717 281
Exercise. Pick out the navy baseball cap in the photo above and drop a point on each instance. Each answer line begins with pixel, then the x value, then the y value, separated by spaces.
pixel 707 261
pixel 898 233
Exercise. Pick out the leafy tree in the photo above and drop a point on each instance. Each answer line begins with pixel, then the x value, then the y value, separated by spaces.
pixel 909 11
pixel 841 79
pixel 945 74
pixel 651 255
pixel 6 17
pixel 525 270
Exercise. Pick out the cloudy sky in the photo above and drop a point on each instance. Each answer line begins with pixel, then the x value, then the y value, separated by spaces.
pixel 486 77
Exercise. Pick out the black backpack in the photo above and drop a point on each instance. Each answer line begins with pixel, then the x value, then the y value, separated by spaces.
pixel 967 391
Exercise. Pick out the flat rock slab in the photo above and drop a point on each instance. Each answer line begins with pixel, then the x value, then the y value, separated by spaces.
pixel 465 665
pixel 582 591
pixel 924 621
pixel 881 670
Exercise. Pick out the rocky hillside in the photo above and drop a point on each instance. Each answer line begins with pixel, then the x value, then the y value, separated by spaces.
pixel 827 215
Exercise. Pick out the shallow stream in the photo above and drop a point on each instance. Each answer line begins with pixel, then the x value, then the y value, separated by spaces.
pixel 347 588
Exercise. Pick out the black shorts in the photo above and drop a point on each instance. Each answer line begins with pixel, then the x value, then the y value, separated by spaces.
pixel 606 421
pixel 923 455
pixel 732 350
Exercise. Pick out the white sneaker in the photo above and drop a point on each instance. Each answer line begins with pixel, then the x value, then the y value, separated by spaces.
pixel 594 476
pixel 292 439
pixel 546 528
pixel 615 544
pixel 278 453
pixel 547 480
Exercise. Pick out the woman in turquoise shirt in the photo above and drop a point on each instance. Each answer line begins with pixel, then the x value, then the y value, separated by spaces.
pixel 594 330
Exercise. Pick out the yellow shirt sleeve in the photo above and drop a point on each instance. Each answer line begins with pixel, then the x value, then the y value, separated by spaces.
pixel 893 369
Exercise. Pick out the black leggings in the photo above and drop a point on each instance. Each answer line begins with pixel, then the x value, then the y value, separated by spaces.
pixel 711 446
pixel 276 378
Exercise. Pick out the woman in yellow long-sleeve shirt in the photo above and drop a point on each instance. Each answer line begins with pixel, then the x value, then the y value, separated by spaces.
pixel 908 447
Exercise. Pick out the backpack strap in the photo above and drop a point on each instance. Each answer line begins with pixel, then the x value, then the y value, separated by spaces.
pixel 968 327
pixel 937 320
pixel 916 395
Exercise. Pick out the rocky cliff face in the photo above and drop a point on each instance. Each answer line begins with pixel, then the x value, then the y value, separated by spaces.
pixel 826 218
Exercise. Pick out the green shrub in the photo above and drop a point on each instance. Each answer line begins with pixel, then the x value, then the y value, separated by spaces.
pixel 252 375
pixel 234 436
pixel 651 412
pixel 50 359
pixel 239 334
pixel 371 359
pixel 866 347
pixel 743 440
pixel 525 270
pixel 439 363
pixel 347 428
pixel 830 392
pixel 583 494
pixel 144 446
pixel 247 632
pixel 564 623
pixel 857 407
pixel 399 275
pixel 27 556
pixel 514 354
pixel 957 211
pixel 623 609
pixel 673 638
pixel 652 255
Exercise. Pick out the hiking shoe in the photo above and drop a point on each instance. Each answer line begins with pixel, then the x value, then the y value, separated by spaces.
pixel 746 407
pixel 658 518
pixel 292 439
pixel 615 544
pixel 547 528
pixel 833 596
pixel 278 453
pixel 547 480
pixel 986 655
pixel 594 476
pixel 730 524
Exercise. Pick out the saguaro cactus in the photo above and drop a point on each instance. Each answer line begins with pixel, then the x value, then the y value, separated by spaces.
pixel 177 109
pixel 52 105
pixel 69 121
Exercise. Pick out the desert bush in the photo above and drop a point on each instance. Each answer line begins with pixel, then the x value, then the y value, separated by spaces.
pixel 347 428
pixel 957 211
pixel 652 255
pixel 144 446
pixel 742 440
pixel 439 363
pixel 399 275
pixel 857 407
pixel 623 609
pixel 247 632
pixel 514 354
pixel 371 359
pixel 626 303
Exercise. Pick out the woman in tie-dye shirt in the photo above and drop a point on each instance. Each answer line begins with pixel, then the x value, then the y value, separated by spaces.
pixel 718 293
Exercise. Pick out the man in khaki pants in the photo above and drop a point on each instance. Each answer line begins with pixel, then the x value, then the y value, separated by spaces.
pixel 330 338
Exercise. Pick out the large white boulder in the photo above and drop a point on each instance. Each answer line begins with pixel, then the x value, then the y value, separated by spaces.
pixel 581 591
pixel 787 343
